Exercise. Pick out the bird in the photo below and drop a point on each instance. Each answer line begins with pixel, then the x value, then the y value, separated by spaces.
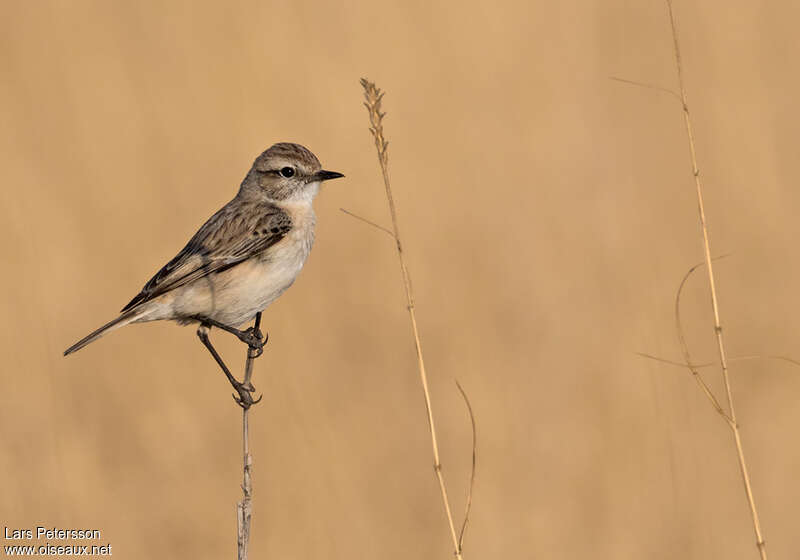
pixel 240 260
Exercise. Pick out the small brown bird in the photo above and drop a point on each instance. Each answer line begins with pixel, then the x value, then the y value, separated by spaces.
pixel 242 259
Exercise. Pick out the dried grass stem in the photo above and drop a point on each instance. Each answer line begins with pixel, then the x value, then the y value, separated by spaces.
pixel 731 414
pixel 244 508
pixel 373 97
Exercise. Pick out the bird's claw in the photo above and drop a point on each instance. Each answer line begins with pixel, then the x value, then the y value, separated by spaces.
pixel 254 339
pixel 245 396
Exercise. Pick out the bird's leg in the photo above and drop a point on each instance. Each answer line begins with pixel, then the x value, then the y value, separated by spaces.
pixel 245 390
pixel 251 336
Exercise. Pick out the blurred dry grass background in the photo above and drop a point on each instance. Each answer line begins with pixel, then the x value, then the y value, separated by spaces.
pixel 548 215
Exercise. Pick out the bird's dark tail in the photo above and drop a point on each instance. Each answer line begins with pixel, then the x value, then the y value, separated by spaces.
pixel 124 319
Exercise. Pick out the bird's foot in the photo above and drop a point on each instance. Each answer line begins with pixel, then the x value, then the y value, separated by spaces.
pixel 245 394
pixel 255 339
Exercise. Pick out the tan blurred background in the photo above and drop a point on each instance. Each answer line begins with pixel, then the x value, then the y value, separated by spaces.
pixel 549 215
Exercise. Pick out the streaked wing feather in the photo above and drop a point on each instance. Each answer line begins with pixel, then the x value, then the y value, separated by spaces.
pixel 232 235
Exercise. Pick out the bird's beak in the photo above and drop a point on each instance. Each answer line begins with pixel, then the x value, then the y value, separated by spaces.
pixel 325 175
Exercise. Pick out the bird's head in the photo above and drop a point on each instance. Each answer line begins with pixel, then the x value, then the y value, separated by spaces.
pixel 286 172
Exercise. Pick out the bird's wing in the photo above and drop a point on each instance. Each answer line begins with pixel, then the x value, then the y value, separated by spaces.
pixel 232 235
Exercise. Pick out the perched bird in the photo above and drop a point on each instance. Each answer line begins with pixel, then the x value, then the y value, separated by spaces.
pixel 241 260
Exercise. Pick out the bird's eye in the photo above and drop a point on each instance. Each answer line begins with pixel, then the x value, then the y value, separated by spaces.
pixel 286 172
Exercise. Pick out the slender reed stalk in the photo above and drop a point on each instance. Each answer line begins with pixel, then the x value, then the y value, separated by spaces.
pixel 723 360
pixel 244 508
pixel 373 97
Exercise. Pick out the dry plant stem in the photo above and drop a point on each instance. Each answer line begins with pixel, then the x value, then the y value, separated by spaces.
pixel 760 544
pixel 687 358
pixel 369 222
pixel 468 506
pixel 644 85
pixel 709 364
pixel 373 97
pixel 244 508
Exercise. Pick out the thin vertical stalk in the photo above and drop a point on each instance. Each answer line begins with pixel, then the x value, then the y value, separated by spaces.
pixel 373 97
pixel 244 508
pixel 732 423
